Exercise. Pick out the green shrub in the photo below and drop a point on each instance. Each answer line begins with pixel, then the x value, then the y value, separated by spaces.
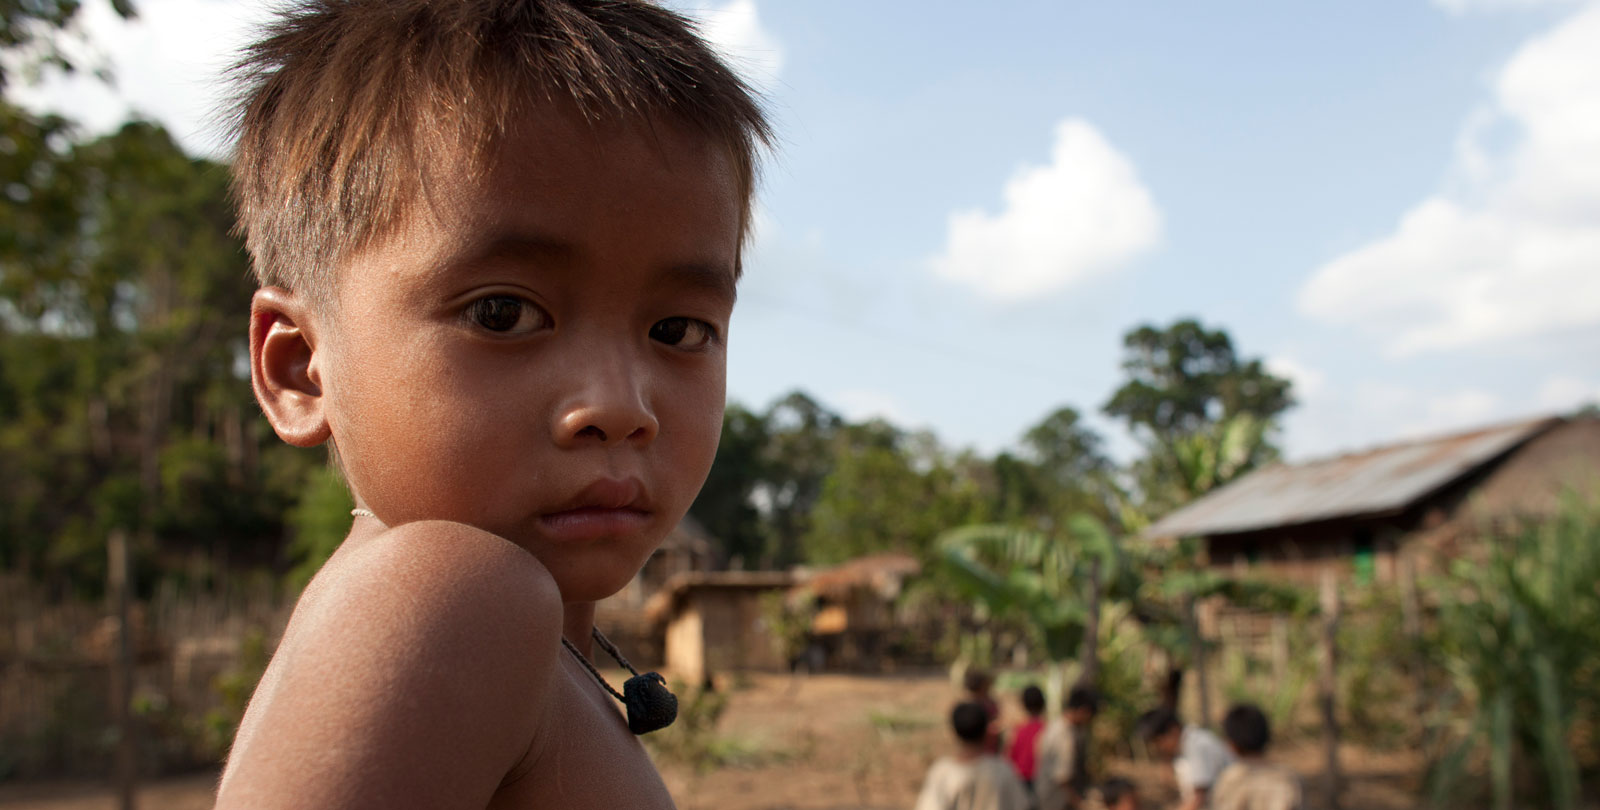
pixel 1519 634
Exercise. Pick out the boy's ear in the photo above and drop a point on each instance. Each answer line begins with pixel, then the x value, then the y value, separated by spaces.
pixel 283 368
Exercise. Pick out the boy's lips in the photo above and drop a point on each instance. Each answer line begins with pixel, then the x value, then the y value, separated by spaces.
pixel 606 508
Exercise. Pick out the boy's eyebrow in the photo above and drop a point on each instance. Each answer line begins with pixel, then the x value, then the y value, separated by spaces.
pixel 710 278
pixel 514 246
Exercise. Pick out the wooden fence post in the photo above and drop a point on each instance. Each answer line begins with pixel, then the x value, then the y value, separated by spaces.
pixel 125 762
pixel 1089 651
pixel 1329 686
pixel 1202 679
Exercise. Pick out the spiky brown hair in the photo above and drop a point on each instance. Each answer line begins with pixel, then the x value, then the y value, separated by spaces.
pixel 342 105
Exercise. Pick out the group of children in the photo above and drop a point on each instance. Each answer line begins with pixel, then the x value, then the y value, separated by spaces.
pixel 1045 765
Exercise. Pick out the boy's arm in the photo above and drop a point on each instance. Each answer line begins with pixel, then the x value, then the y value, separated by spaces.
pixel 416 678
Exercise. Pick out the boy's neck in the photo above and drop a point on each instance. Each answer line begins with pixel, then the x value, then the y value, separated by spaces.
pixel 577 624
pixel 970 752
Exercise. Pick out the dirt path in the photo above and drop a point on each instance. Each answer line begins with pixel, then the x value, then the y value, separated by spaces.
pixel 819 743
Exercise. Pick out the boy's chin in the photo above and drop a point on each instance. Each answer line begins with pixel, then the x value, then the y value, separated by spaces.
pixel 590 580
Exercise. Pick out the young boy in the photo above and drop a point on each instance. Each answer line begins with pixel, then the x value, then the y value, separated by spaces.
pixel 1062 776
pixel 498 243
pixel 972 779
pixel 978 684
pixel 1252 783
pixel 1119 794
pixel 1024 742
pixel 1198 756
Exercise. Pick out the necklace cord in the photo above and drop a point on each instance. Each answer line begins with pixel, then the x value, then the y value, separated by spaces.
pixel 611 649
pixel 592 671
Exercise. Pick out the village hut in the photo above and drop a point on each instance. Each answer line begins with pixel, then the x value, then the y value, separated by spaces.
pixel 853 610
pixel 622 616
pixel 715 622
pixel 1412 504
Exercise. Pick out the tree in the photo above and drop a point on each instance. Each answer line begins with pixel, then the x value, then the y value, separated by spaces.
pixel 799 455
pixel 125 404
pixel 1070 466
pixel 888 490
pixel 1185 378
pixel 30 32
pixel 726 505
pixel 1204 414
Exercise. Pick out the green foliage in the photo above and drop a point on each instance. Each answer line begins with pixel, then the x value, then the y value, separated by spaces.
pixel 883 494
pixel 123 404
pixel 31 33
pixel 1123 692
pixel 1205 414
pixel 788 622
pixel 1184 378
pixel 1374 676
pixel 1040 579
pixel 1519 634
pixel 896 723
pixel 319 522
pixel 233 689
pixel 726 506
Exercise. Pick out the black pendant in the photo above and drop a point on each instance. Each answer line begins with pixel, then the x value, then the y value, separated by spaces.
pixel 651 707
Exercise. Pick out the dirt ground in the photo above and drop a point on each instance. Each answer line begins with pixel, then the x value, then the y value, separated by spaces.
pixel 827 741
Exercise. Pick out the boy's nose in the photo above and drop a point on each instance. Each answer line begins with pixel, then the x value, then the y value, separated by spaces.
pixel 607 414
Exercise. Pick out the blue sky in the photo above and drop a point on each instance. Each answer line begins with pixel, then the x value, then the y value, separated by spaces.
pixel 1396 202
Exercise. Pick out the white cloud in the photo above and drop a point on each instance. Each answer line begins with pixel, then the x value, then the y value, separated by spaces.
pixel 1350 418
pixel 860 404
pixel 1512 250
pixel 167 63
pixel 1465 6
pixel 1564 393
pixel 1083 214
pixel 735 30
pixel 1308 382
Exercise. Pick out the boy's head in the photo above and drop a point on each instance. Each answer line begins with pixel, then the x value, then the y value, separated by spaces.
pixel 977 681
pixel 970 721
pixel 1119 794
pixel 349 111
pixel 1247 730
pixel 1161 731
pixel 1083 703
pixel 1033 700
pixel 498 243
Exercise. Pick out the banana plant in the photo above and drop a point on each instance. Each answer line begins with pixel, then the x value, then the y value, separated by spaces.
pixel 1052 582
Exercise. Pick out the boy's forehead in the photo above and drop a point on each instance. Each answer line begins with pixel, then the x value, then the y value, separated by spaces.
pixel 555 184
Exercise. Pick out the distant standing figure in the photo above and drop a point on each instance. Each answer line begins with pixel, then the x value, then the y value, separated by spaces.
pixel 978 683
pixel 1061 776
pixel 1024 741
pixel 973 778
pixel 1252 783
pixel 1119 794
pixel 1198 756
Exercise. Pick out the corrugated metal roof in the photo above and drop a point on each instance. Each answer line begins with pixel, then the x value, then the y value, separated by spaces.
pixel 1384 480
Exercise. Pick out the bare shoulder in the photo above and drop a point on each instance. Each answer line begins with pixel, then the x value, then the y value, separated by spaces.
pixel 415 672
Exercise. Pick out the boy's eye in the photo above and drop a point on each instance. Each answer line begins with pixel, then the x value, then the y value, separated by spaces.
pixel 507 314
pixel 687 333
